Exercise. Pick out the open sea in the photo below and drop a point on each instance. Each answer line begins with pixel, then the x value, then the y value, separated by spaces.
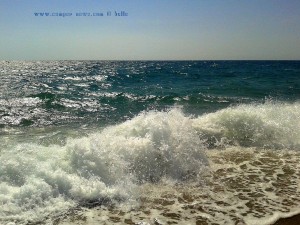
pixel 149 142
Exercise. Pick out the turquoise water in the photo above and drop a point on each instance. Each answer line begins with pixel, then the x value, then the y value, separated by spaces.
pixel 39 94
pixel 73 132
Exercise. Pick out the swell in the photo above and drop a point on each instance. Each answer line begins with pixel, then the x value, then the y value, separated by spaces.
pixel 47 109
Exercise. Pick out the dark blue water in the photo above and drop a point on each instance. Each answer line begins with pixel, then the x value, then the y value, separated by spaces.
pixel 97 93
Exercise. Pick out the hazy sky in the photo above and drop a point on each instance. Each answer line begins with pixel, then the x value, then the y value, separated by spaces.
pixel 153 30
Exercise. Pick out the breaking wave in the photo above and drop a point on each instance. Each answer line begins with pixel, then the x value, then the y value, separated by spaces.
pixel 108 165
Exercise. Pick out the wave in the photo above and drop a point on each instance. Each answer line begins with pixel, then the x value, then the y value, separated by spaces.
pixel 269 125
pixel 109 165
pixel 37 180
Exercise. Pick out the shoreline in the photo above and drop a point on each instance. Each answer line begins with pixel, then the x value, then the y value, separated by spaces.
pixel 104 215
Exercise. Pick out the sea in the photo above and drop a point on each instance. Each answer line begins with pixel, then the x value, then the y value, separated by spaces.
pixel 149 142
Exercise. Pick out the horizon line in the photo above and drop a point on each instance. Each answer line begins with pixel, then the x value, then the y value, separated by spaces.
pixel 151 60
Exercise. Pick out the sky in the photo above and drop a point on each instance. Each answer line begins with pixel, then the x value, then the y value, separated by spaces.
pixel 152 30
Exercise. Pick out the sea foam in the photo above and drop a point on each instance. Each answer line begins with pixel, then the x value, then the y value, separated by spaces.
pixel 105 166
pixel 109 165
pixel 270 125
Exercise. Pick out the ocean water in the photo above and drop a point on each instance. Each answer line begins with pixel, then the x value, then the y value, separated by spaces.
pixel 159 142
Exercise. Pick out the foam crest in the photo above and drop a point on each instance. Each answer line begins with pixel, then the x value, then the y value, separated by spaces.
pixel 150 146
pixel 270 125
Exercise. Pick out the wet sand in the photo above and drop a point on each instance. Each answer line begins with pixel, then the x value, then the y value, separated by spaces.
pixel 294 220
pixel 101 216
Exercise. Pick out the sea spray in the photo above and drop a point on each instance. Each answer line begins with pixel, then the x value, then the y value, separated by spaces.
pixel 104 167
pixel 272 125
pixel 151 145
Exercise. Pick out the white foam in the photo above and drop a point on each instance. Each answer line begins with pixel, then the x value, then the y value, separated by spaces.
pixel 39 180
pixel 270 125
pixel 109 165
